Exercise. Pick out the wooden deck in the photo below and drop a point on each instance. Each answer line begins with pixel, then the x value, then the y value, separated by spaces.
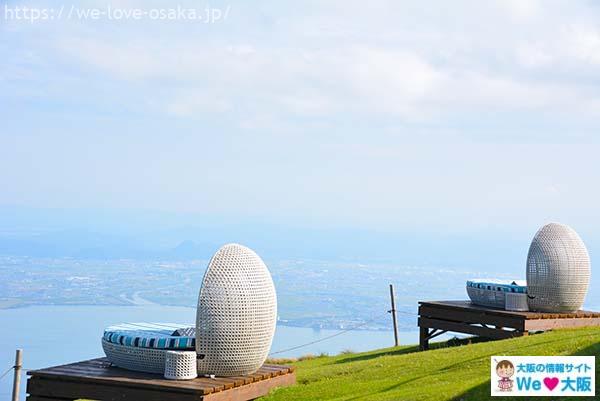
pixel 438 317
pixel 96 379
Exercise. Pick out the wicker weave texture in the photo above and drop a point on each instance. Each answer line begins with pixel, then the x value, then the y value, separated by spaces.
pixel 516 302
pixel 237 313
pixel 558 270
pixel 151 360
pixel 180 365
pixel 485 297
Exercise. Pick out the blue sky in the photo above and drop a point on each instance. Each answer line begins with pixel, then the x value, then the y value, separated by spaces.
pixel 454 117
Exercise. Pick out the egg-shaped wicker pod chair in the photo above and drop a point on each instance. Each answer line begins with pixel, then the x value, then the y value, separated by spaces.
pixel 237 313
pixel 558 270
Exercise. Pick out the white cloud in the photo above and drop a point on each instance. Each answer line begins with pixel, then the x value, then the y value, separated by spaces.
pixel 521 9
pixel 533 55
pixel 389 81
pixel 397 60
pixel 583 43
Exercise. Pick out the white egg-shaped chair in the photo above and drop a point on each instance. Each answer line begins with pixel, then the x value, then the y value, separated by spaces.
pixel 235 323
pixel 558 270
pixel 237 313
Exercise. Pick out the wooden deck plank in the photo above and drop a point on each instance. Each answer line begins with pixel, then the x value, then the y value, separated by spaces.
pixel 101 370
pixel 275 371
pixel 97 378
pixel 257 376
pixel 242 380
pixel 223 382
pixel 196 385
pixel 492 311
pixel 66 389
pixel 253 390
pixel 267 373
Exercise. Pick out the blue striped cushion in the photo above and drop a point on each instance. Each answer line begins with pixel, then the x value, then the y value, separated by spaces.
pixel 151 335
pixel 518 286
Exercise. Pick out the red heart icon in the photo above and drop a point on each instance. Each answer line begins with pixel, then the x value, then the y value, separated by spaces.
pixel 551 382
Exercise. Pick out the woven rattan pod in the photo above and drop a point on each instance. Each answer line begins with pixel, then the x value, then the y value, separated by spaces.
pixel 558 270
pixel 237 312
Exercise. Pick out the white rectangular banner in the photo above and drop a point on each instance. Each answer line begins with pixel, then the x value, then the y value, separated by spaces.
pixel 573 376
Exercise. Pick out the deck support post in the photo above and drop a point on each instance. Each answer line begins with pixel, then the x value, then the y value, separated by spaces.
pixel 423 338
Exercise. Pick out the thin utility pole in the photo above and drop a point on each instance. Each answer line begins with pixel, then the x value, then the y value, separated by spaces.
pixel 393 312
pixel 17 380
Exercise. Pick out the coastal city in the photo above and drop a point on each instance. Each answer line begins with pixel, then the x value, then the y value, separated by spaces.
pixel 316 292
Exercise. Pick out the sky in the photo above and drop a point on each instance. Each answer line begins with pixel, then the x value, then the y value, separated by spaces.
pixel 455 116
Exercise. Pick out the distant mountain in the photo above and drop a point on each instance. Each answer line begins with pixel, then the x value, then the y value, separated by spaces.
pixel 275 242
pixel 133 235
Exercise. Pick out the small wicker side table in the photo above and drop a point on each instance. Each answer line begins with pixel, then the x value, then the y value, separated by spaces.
pixel 180 365
pixel 516 302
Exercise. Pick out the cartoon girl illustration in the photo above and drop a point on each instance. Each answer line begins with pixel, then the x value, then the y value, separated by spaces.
pixel 505 369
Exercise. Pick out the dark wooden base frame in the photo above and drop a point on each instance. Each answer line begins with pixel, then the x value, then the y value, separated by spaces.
pixel 438 317
pixel 97 379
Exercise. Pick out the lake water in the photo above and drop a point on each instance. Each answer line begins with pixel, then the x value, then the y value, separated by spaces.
pixel 52 335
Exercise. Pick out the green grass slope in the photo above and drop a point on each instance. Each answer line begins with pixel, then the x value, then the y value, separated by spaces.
pixel 444 373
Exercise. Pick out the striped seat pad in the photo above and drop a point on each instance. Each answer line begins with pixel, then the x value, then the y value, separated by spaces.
pixel 152 335
pixel 518 286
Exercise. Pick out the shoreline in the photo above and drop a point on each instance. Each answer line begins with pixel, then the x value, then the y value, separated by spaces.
pixel 153 304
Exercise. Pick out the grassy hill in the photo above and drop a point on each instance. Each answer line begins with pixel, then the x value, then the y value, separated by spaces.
pixel 444 373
